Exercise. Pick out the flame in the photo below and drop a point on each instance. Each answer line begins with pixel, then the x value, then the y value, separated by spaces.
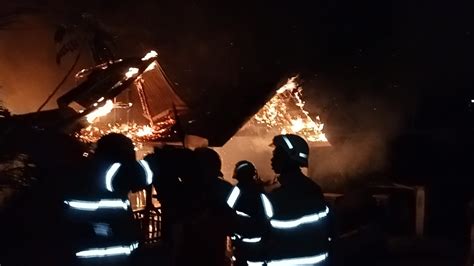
pixel 285 113
pixel 290 85
pixel 132 71
pixel 137 133
pixel 145 131
pixel 151 66
pixel 150 54
pixel 101 111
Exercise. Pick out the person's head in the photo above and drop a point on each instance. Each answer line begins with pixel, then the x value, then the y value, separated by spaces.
pixel 175 169
pixel 115 147
pixel 290 153
pixel 245 172
pixel 209 161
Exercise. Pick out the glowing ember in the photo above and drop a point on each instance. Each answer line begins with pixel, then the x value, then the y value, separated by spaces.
pixel 149 55
pixel 131 72
pixel 145 131
pixel 101 111
pixel 151 66
pixel 285 113
pixel 138 133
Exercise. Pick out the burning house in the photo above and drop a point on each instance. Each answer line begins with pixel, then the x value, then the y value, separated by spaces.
pixel 134 96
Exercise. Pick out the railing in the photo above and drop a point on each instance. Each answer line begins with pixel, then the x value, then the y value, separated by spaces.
pixel 149 220
pixel 147 212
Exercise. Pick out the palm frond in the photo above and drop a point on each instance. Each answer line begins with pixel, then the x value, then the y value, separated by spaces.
pixel 85 32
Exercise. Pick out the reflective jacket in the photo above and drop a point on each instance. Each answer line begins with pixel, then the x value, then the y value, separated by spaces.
pixel 299 225
pixel 100 216
pixel 248 203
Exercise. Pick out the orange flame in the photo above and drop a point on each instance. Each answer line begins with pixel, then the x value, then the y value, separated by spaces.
pixel 149 55
pixel 285 113
pixel 131 72
pixel 145 131
pixel 101 111
pixel 138 133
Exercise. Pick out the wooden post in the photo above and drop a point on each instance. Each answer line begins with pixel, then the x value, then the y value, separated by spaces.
pixel 420 210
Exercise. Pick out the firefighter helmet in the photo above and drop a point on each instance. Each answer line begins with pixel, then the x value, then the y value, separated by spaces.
pixel 295 146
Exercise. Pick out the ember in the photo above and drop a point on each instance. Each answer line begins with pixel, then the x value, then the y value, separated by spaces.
pixel 131 72
pixel 285 113
pixel 138 133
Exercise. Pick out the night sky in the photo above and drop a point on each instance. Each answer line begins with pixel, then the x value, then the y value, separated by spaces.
pixel 392 67
pixel 402 56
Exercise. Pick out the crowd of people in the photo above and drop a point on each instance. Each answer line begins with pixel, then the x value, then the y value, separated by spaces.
pixel 289 226
pixel 78 211
pixel 91 219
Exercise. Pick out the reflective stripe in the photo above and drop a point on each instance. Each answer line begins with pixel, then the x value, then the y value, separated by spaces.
pixel 267 206
pixel 102 229
pixel 294 261
pixel 252 240
pixel 246 240
pixel 108 251
pixel 297 222
pixel 95 205
pixel 234 195
pixel 288 142
pixel 303 155
pixel 241 166
pixel 109 176
pixel 242 214
pixel 148 171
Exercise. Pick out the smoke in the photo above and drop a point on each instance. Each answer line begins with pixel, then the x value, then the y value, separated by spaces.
pixel 361 129
pixel 333 167
pixel 252 148
pixel 361 121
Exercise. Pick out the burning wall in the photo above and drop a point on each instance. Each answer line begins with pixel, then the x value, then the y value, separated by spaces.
pixel 284 113
pixel 359 159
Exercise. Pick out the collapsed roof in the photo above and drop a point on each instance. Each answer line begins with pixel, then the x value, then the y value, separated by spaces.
pixel 216 117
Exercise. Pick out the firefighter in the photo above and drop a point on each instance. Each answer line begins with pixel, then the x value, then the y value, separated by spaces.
pixel 247 203
pixel 214 222
pixel 97 206
pixel 210 167
pixel 297 211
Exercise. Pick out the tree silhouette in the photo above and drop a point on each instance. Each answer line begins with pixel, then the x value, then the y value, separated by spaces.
pixel 86 33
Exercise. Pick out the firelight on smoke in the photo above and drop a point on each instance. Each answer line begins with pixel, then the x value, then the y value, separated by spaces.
pixel 285 113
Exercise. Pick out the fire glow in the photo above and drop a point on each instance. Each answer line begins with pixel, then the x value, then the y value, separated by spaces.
pixel 138 133
pixel 149 55
pixel 285 113
pixel 133 71
pixel 101 111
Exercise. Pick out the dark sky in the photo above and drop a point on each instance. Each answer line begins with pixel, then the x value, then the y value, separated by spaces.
pixel 412 58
